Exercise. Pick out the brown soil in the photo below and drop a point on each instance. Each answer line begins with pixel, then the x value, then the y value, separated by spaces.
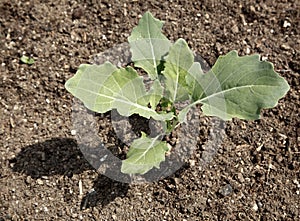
pixel 254 176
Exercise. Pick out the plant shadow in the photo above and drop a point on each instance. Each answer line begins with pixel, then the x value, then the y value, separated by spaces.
pixel 51 157
pixel 103 192
pixel 62 156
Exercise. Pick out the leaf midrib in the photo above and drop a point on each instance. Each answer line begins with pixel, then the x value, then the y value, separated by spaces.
pixel 146 150
pixel 231 89
pixel 151 45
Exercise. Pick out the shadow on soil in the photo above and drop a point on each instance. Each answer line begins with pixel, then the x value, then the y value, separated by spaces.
pixel 51 157
pixel 103 192
pixel 62 156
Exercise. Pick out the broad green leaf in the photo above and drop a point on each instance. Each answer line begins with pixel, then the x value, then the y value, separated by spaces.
pixel 194 78
pixel 104 87
pixel 240 87
pixel 155 94
pixel 178 62
pixel 148 45
pixel 144 154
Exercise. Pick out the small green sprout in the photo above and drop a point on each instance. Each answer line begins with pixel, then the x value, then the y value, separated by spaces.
pixel 27 60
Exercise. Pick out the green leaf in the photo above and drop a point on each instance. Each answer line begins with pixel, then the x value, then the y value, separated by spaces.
pixel 194 79
pixel 148 45
pixel 155 94
pixel 104 87
pixel 178 62
pixel 144 154
pixel 27 60
pixel 239 87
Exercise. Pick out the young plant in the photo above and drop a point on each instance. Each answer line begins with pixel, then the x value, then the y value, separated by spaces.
pixel 234 87
pixel 27 60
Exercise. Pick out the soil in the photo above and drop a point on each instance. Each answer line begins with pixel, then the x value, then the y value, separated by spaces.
pixel 255 174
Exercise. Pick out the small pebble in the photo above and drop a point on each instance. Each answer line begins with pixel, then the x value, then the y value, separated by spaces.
pixel 295 181
pixel 240 177
pixel 286 24
pixel 235 29
pixel 192 163
pixel 225 190
pixel 39 181
pixel 285 47
pixel 28 180
pixel 255 207
pixel 177 180
pixel 252 8
pixel 247 50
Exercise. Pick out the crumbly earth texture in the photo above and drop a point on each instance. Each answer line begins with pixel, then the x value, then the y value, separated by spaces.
pixel 255 173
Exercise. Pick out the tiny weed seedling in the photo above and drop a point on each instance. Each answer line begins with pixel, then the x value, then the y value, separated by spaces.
pixel 234 87
pixel 27 60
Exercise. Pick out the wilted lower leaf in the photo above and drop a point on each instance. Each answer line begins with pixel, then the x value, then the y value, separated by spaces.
pixel 144 154
pixel 239 87
pixel 148 45
pixel 104 87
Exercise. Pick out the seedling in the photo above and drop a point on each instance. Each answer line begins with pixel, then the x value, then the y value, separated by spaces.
pixel 234 87
pixel 27 60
